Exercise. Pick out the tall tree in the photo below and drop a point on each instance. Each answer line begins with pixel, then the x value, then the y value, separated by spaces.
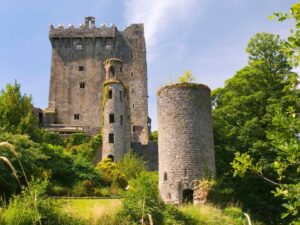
pixel 16 112
pixel 243 112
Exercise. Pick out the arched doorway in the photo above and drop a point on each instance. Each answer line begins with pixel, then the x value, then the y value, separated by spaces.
pixel 187 196
pixel 111 157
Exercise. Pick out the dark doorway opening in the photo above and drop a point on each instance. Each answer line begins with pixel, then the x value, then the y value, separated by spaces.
pixel 41 117
pixel 111 157
pixel 187 196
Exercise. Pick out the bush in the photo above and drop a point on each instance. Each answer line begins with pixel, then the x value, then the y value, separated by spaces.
pixel 57 190
pixel 111 174
pixel 142 198
pixel 53 138
pixel 131 165
pixel 102 192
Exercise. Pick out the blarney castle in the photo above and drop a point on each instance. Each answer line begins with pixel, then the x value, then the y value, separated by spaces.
pixel 98 84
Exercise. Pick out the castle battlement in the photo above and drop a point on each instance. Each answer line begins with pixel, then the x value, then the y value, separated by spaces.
pixel 88 29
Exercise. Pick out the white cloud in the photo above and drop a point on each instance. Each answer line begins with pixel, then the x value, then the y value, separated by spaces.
pixel 158 15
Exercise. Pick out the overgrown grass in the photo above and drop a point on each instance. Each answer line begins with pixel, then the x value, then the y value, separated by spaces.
pixel 209 214
pixel 104 212
pixel 93 211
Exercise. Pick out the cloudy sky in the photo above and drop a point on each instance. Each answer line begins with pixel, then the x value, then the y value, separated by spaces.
pixel 207 37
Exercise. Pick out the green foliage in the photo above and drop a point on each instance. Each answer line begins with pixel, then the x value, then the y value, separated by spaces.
pixel 28 153
pixel 83 146
pixel 243 113
pixel 76 139
pixel 187 77
pixel 142 199
pixel 111 173
pixel 33 207
pixel 53 138
pixel 16 112
pixel 285 138
pixel 131 165
pixel 154 136
pixel 291 46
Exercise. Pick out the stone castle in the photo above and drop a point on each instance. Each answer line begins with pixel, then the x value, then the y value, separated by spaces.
pixel 99 84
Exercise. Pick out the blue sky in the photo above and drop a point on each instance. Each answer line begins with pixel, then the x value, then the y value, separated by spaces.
pixel 207 37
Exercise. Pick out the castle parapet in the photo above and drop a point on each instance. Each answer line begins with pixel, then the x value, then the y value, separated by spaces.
pixel 88 29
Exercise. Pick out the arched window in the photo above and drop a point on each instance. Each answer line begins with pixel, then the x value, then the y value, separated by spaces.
pixel 111 72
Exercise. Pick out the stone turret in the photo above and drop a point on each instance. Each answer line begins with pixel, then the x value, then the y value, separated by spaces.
pixel 116 125
pixel 185 140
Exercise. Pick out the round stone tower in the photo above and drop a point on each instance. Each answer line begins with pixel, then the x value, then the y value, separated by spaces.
pixel 116 125
pixel 185 140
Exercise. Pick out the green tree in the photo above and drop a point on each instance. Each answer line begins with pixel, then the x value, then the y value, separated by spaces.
pixel 286 163
pixel 243 113
pixel 154 136
pixel 16 112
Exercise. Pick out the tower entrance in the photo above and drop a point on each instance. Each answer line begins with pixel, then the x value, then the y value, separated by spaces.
pixel 187 196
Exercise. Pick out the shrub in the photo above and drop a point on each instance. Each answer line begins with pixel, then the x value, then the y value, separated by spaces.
pixel 131 165
pixel 142 198
pixel 52 138
pixel 111 174
pixel 102 192
pixel 58 190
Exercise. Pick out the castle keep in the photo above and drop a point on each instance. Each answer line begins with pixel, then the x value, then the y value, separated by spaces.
pixel 99 83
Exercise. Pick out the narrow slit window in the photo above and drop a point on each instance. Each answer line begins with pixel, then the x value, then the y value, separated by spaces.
pixel 120 96
pixel 80 68
pixel 121 120
pixel 165 176
pixel 111 138
pixel 132 105
pixel 132 74
pixel 76 116
pixel 111 118
pixel 110 93
pixel 82 84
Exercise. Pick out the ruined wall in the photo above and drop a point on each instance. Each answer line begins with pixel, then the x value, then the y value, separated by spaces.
pixel 185 138
pixel 78 74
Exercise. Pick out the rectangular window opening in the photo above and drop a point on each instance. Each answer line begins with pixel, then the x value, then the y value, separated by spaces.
pixel 111 138
pixel 80 68
pixel 82 84
pixel 110 93
pixel 76 116
pixel 111 118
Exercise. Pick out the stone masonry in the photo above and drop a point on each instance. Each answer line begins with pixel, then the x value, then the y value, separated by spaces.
pixel 185 140
pixel 82 58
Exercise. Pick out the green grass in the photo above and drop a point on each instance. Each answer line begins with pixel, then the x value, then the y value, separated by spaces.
pixel 103 211
pixel 91 210
pixel 211 215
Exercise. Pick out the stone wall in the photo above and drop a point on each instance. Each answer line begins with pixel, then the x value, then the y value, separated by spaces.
pixel 78 75
pixel 185 138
